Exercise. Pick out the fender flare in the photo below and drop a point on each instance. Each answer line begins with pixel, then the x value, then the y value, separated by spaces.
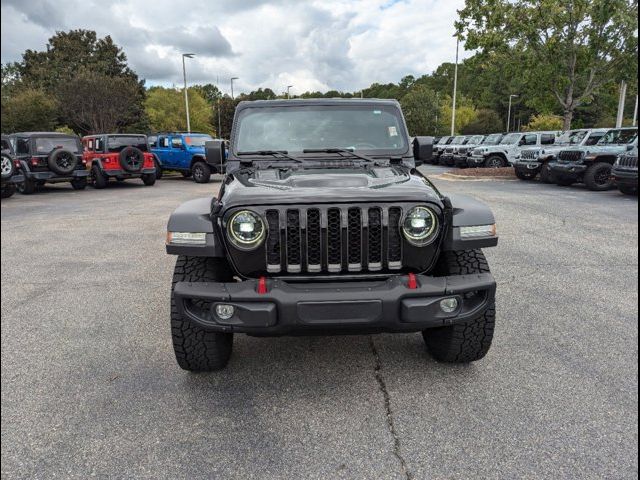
pixel 195 216
pixel 468 212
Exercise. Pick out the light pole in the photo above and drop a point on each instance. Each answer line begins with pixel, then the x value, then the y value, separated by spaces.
pixel 186 96
pixel 288 90
pixel 455 89
pixel 635 113
pixel 232 79
pixel 512 96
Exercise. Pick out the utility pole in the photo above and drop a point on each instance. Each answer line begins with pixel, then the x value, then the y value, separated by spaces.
pixel 435 130
pixel 455 88
pixel 186 96
pixel 622 99
pixel 288 91
pixel 232 79
pixel 635 113
pixel 219 94
pixel 509 114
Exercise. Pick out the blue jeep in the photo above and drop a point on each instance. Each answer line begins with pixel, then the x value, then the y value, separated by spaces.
pixel 183 152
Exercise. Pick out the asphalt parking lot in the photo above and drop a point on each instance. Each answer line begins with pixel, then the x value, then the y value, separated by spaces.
pixel 90 386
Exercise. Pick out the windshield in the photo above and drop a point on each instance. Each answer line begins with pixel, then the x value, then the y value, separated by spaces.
pixel 198 141
pixel 511 138
pixel 475 140
pixel 298 128
pixel 44 145
pixel 574 137
pixel 118 143
pixel 443 141
pixel 492 139
pixel 618 137
pixel 458 140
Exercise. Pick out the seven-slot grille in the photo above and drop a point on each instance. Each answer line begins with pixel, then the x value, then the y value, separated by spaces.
pixel 628 161
pixel 334 239
pixel 448 150
pixel 570 156
pixel 530 154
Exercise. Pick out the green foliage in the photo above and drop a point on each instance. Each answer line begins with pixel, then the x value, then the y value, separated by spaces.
pixel 28 110
pixel 486 122
pixel 569 48
pixel 225 108
pixel 544 122
pixel 166 110
pixel 420 107
pixel 210 92
pixel 65 129
pixel 465 114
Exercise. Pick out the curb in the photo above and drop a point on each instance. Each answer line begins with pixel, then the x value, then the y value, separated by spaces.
pixel 467 178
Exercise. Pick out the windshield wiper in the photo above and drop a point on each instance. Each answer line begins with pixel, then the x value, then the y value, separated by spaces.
pixel 338 150
pixel 274 153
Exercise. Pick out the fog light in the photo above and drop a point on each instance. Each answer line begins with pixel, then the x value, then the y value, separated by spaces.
pixel 224 311
pixel 449 305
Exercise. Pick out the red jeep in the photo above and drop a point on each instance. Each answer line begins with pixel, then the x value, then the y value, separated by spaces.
pixel 118 156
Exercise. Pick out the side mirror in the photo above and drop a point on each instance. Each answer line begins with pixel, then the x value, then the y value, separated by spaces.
pixel 422 150
pixel 214 151
pixel 630 147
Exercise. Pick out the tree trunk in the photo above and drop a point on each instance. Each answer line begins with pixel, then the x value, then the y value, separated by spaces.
pixel 567 118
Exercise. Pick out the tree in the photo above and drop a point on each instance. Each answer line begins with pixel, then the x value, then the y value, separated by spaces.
pixel 544 122
pixel 166 110
pixel 227 108
pixel 97 103
pixel 28 110
pixel 572 47
pixel 210 92
pixel 486 122
pixel 420 107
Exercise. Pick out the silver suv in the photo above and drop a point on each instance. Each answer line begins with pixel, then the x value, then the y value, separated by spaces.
pixel 505 153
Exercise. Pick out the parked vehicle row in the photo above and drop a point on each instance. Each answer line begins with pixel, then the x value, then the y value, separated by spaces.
pixel 33 159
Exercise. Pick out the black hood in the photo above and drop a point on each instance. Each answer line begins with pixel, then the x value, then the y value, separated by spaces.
pixel 277 186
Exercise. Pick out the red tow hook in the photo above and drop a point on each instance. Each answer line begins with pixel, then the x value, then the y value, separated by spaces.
pixel 413 282
pixel 262 286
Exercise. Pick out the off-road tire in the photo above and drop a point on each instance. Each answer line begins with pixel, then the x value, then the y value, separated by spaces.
pixel 469 341
pixel 156 163
pixel 494 161
pixel 131 159
pixel 201 172
pixel 8 167
pixel 525 175
pixel 99 179
pixel 27 187
pixel 79 183
pixel 593 177
pixel 149 179
pixel 7 190
pixel 62 161
pixel 628 190
pixel 546 175
pixel 199 350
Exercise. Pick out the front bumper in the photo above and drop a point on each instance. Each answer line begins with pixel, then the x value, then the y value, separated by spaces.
pixel 527 167
pixel 625 178
pixel 574 171
pixel 475 160
pixel 460 161
pixel 446 159
pixel 339 307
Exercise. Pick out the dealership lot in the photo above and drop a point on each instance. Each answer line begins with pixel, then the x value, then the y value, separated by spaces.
pixel 90 385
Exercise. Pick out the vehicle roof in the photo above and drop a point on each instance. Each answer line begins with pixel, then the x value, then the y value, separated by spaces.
pixel 43 134
pixel 115 135
pixel 317 101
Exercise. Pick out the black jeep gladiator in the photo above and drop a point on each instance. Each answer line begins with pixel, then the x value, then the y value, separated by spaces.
pixel 323 225
pixel 49 157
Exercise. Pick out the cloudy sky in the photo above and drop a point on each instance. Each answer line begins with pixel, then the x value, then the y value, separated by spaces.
pixel 312 45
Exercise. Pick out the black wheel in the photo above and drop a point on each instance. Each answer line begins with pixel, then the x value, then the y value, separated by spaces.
pixel 8 167
pixel 99 179
pixel 598 177
pixel 158 168
pixel 62 161
pixel 149 179
pixel 628 190
pixel 469 341
pixel 79 183
pixel 196 349
pixel 27 187
pixel 546 175
pixel 201 172
pixel 131 159
pixel 494 161
pixel 186 173
pixel 525 175
pixel 7 190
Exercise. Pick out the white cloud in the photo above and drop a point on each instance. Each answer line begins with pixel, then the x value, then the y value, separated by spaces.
pixel 312 45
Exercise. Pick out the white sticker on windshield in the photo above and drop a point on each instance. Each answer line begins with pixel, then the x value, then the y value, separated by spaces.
pixel 393 132
pixel 377 112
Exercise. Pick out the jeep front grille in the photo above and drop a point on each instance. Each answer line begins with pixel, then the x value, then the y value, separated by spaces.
pixel 334 239
pixel 448 150
pixel 570 156
pixel 628 161
pixel 463 151
pixel 530 154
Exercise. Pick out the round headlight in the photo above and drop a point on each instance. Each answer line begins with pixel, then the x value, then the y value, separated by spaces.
pixel 420 226
pixel 246 230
